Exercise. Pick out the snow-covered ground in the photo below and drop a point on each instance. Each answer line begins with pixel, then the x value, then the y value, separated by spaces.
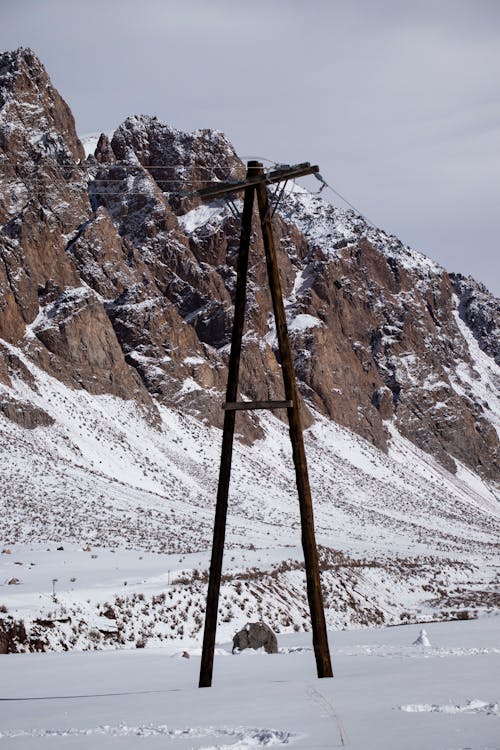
pixel 387 694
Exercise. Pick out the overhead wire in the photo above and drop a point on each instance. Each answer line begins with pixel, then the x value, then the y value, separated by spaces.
pixel 143 171
pixel 339 195
pixel 248 157
pixel 146 167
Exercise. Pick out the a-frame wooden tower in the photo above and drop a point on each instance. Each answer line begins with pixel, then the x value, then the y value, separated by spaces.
pixel 256 184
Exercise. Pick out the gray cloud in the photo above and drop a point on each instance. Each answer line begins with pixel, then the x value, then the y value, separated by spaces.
pixel 397 102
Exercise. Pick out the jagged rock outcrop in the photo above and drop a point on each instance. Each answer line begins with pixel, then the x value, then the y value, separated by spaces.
pixel 25 414
pixel 179 162
pixel 44 207
pixel 115 278
pixel 480 311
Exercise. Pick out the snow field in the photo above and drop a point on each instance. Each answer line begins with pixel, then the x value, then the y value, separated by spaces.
pixel 387 694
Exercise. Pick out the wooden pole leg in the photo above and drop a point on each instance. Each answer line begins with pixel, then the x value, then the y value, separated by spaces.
pixel 315 597
pixel 207 655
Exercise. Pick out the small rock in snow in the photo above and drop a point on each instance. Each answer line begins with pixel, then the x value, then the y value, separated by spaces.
pixel 422 639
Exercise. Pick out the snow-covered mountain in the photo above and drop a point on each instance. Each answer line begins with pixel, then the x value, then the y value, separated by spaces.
pixel 116 291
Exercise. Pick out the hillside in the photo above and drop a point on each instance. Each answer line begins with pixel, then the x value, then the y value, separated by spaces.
pixel 116 291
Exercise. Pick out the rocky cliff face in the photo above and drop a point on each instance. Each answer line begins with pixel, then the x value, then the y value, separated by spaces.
pixel 480 311
pixel 116 279
pixel 44 205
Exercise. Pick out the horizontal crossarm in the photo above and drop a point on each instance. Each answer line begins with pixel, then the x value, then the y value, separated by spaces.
pixel 251 405
pixel 219 189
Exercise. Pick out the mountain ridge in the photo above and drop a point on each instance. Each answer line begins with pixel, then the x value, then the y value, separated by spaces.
pixel 129 241
pixel 116 294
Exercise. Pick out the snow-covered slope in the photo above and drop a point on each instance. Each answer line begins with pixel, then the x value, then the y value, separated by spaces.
pixel 107 526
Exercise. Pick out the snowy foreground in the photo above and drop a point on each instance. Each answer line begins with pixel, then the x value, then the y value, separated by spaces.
pixel 387 693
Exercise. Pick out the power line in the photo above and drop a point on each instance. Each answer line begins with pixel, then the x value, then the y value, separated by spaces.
pixel 351 205
pixel 258 158
pixel 143 171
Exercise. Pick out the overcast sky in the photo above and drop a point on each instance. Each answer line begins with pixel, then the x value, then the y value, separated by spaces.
pixel 398 102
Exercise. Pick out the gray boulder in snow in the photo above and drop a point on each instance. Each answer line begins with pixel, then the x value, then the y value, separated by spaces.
pixel 256 635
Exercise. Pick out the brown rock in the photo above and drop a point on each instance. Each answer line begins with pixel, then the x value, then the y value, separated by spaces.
pixel 13 636
pixel 104 152
pixel 25 414
pixel 256 635
pixel 76 329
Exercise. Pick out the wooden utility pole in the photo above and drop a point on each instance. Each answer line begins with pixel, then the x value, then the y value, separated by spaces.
pixel 207 655
pixel 255 183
